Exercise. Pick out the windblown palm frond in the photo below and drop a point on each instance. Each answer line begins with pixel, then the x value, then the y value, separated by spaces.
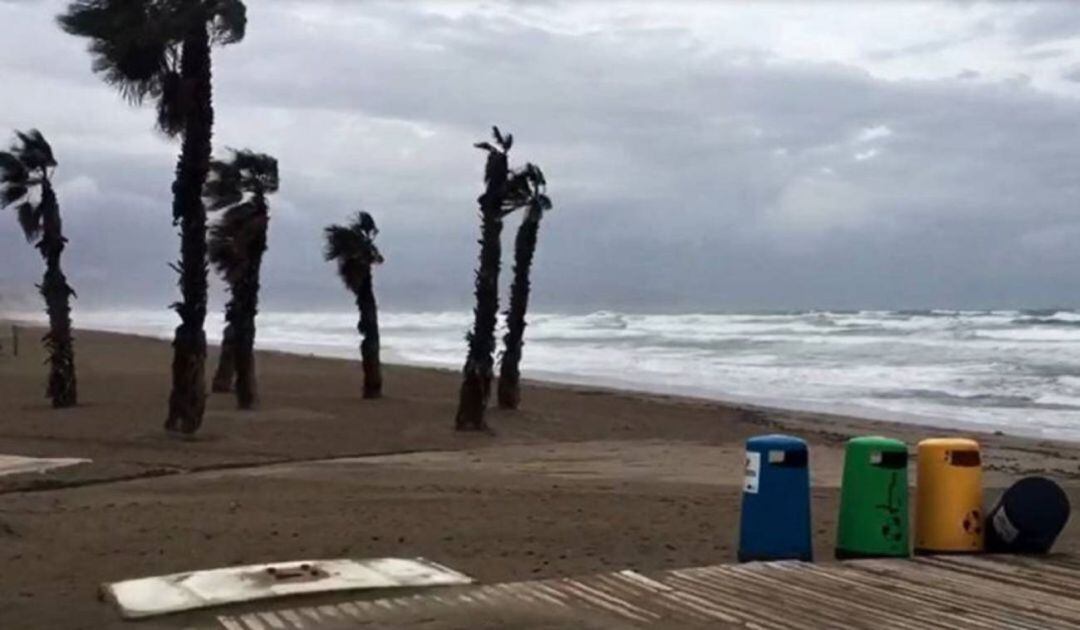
pixel 229 20
pixel 35 151
pixel 353 247
pixel 239 187
pixel 229 239
pixel 526 189
pixel 22 171
pixel 132 42
pixel 135 45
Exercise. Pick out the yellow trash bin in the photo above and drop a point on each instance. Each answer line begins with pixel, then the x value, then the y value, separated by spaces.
pixel 948 500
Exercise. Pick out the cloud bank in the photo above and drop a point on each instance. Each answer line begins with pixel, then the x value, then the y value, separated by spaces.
pixel 700 157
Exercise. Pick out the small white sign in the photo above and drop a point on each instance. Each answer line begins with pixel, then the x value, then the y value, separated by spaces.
pixel 1005 527
pixel 752 474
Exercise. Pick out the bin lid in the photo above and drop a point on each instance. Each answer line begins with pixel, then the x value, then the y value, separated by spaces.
pixel 878 443
pixel 949 444
pixel 775 442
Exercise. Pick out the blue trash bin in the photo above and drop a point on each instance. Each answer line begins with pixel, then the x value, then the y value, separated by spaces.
pixel 775 523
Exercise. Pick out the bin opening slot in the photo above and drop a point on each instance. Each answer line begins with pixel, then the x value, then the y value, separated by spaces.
pixel 788 459
pixel 889 459
pixel 964 458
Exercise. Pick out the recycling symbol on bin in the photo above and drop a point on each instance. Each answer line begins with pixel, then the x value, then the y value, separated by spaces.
pixel 892 529
pixel 973 522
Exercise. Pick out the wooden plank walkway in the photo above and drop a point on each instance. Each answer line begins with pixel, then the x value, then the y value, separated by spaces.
pixel 928 592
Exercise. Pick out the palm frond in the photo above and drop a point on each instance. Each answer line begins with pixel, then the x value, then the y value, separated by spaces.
pixel 229 240
pixel 258 170
pixel 29 220
pixel 244 172
pixel 12 194
pixel 229 23
pixel 526 188
pixel 12 171
pixel 131 41
pixel 35 152
pixel 353 247
pixel 342 243
pixel 223 187
pixel 365 225
pixel 170 103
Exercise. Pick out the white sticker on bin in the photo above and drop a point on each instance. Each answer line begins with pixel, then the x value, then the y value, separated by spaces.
pixel 752 473
pixel 1004 526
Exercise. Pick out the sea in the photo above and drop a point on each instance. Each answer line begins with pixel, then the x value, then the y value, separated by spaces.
pixel 1015 371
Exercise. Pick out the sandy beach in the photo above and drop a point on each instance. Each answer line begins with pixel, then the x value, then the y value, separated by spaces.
pixel 579 480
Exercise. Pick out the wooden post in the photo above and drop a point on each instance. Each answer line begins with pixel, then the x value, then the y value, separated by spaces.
pixel 15 340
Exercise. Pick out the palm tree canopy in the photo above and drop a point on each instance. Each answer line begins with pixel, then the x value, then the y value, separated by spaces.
pixel 135 44
pixel 23 168
pixel 246 172
pixel 496 153
pixel 353 247
pixel 528 187
pixel 238 186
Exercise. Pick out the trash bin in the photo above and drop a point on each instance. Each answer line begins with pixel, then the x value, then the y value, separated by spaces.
pixel 873 519
pixel 948 503
pixel 1027 518
pixel 775 520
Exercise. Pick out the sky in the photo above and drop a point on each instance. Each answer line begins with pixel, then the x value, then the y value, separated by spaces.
pixel 700 156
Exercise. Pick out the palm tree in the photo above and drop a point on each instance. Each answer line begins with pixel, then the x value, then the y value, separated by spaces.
pixel 495 204
pixel 25 174
pixel 240 186
pixel 160 50
pixel 353 247
pixel 530 186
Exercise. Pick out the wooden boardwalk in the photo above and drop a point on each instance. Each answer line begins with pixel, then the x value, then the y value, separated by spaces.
pixel 928 592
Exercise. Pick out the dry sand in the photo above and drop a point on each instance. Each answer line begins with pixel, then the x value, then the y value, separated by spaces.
pixel 579 480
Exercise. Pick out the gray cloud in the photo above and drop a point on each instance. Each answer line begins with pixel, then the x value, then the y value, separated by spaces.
pixel 684 176
pixel 1047 22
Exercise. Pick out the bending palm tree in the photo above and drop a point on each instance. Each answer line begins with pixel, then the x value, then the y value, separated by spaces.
pixel 353 247
pixel 160 50
pixel 24 171
pixel 237 243
pixel 495 204
pixel 531 185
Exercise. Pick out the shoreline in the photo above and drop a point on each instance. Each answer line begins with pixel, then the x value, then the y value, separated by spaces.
pixel 763 404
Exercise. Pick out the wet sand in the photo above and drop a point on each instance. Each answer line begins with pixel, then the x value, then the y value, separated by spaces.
pixel 580 480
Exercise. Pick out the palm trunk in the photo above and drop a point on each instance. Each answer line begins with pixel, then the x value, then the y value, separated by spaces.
pixel 510 372
pixel 226 368
pixel 479 365
pixel 246 296
pixel 369 329
pixel 188 399
pixel 57 293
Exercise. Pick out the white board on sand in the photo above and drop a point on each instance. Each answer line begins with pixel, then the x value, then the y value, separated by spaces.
pixel 17 464
pixel 149 597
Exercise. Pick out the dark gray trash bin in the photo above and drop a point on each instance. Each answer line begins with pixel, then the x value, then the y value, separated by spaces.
pixel 1027 518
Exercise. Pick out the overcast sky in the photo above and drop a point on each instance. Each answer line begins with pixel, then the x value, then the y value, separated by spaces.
pixel 720 156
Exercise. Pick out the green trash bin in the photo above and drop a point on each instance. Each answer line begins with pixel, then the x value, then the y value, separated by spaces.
pixel 873 519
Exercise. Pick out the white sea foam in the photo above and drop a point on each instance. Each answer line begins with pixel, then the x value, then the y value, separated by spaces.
pixel 1019 371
